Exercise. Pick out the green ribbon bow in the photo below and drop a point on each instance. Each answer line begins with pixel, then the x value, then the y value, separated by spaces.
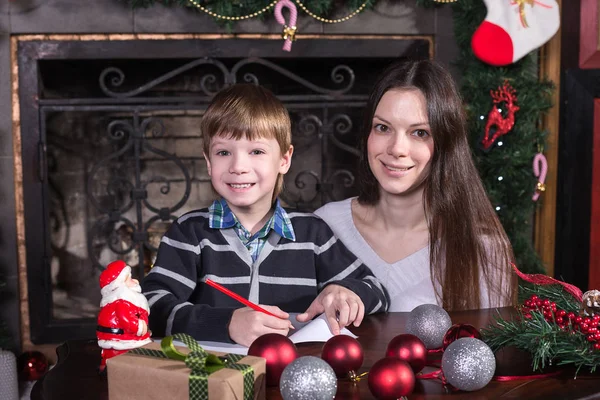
pixel 201 363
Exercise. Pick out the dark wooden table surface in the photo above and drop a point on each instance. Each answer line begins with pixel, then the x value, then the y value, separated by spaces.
pixel 75 376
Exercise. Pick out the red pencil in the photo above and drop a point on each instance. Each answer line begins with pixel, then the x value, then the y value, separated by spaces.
pixel 238 297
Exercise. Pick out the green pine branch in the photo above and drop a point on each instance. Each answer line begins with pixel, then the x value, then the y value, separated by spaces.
pixel 547 343
pixel 556 293
pixel 233 8
pixel 237 8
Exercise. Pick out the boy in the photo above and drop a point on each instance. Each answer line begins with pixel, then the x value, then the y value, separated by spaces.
pixel 248 243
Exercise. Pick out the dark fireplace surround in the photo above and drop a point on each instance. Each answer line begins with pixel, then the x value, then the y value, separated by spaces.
pixel 110 148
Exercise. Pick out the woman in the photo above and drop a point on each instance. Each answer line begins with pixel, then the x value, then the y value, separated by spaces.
pixel 422 221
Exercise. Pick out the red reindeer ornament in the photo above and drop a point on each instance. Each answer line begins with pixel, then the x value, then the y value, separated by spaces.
pixel 498 125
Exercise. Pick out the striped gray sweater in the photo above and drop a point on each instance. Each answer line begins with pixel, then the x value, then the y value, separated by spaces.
pixel 288 274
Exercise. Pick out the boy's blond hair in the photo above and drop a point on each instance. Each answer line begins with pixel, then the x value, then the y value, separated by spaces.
pixel 250 111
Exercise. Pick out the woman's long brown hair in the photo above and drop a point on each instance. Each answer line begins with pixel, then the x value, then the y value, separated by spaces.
pixel 468 245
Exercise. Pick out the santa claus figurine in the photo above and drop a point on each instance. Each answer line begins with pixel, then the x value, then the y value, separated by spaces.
pixel 123 317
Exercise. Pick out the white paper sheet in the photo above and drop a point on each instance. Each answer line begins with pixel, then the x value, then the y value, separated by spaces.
pixel 316 330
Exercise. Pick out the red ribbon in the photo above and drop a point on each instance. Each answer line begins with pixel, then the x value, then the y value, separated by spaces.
pixel 507 378
pixel 431 375
pixel 438 374
pixel 540 279
pixel 433 351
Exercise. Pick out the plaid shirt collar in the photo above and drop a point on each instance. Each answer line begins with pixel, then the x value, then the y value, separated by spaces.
pixel 221 217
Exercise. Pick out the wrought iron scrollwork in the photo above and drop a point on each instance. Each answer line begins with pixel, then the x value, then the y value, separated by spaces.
pixel 113 77
pixel 337 76
pixel 342 124
pixel 308 184
pixel 346 176
pixel 114 239
pixel 310 125
pixel 116 77
pixel 131 189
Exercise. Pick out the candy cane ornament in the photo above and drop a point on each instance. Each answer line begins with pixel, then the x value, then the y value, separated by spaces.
pixel 289 30
pixel 540 169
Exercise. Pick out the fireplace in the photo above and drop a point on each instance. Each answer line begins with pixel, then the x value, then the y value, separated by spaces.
pixel 110 148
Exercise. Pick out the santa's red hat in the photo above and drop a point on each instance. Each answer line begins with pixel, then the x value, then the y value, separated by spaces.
pixel 114 275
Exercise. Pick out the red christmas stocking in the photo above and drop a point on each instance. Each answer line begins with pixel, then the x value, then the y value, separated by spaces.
pixel 513 28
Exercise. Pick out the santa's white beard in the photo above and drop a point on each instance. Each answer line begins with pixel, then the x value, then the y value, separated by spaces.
pixel 136 288
pixel 133 295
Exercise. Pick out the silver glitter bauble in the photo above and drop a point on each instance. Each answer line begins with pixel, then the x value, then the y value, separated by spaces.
pixel 308 378
pixel 468 364
pixel 429 322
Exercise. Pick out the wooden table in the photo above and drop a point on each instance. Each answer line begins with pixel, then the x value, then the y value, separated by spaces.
pixel 75 376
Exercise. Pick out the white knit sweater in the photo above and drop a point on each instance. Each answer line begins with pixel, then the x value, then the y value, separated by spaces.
pixel 408 280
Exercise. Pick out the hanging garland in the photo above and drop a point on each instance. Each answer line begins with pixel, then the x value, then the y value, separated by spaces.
pixel 332 21
pixel 233 18
pixel 232 10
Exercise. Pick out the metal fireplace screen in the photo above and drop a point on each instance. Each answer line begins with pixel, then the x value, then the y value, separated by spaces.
pixel 112 148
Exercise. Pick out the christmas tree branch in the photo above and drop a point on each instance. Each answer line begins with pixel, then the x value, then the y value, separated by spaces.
pixel 563 300
pixel 233 8
pixel 548 343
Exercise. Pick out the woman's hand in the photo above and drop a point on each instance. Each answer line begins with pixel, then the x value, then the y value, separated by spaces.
pixel 341 306
pixel 247 324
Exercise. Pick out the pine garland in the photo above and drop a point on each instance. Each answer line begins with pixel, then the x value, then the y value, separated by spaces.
pixel 233 8
pixel 548 343
pixel 563 300
pixel 510 194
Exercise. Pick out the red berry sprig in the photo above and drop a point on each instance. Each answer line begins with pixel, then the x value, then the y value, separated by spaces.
pixel 588 326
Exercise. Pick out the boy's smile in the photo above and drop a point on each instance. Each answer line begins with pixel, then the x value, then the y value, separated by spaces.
pixel 244 172
pixel 241 186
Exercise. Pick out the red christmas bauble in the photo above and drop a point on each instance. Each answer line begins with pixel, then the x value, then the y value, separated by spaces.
pixel 409 348
pixel 458 331
pixel 278 350
pixel 31 365
pixel 344 354
pixel 391 378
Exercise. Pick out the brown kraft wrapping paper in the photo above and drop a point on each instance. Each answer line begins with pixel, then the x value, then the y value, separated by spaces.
pixel 132 376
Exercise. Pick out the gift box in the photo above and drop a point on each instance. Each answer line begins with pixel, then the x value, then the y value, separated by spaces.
pixel 164 371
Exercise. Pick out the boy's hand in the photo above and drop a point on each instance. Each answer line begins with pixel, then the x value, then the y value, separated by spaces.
pixel 341 306
pixel 247 324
